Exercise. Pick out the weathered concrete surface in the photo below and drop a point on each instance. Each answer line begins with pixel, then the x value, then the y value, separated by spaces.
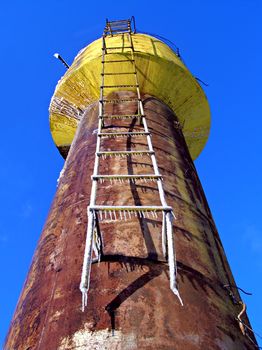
pixel 130 305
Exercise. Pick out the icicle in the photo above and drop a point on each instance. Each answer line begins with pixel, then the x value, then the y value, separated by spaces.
pixel 120 214
pixel 97 245
pixel 171 256
pixel 101 215
pixel 129 214
pixel 85 278
pixel 114 215
pixel 164 235
pixel 125 215
pixel 84 301
pixel 95 249
pixel 110 213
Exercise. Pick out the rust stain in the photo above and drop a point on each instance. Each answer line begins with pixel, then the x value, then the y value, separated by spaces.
pixel 130 305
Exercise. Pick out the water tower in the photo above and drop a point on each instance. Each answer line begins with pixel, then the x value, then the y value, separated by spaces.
pixel 129 257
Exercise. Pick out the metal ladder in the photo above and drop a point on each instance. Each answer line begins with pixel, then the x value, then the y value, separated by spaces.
pixel 98 212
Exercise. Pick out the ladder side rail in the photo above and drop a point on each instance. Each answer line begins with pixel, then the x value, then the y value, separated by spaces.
pixel 101 97
pixel 131 40
pixel 129 27
pixel 96 167
pixel 135 70
pixel 172 256
pixel 98 141
pixel 149 142
pixel 110 29
pixel 86 270
pixel 103 44
pixel 89 245
pixel 167 230
pixel 153 158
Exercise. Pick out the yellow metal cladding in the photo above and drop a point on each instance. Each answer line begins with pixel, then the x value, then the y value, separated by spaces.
pixel 160 73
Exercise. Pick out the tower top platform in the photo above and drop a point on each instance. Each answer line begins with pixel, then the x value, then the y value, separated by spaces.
pixel 161 73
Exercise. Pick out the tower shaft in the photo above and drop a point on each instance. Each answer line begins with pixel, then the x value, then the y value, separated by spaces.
pixel 130 305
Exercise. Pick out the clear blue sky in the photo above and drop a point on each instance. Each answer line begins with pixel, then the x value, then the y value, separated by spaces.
pixel 220 42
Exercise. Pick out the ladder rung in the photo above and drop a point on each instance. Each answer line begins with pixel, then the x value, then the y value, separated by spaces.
pixel 123 153
pixel 114 32
pixel 118 73
pixel 117 61
pixel 121 116
pixel 118 86
pixel 117 26
pixel 121 24
pixel 120 100
pixel 127 177
pixel 119 21
pixel 128 134
pixel 118 30
pixel 111 35
pixel 114 213
pixel 118 52
pixel 131 207
pixel 117 47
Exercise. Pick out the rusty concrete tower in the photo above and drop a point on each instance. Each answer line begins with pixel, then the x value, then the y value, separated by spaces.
pixel 130 223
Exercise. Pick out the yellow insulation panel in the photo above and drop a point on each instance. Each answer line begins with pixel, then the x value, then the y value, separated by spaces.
pixel 160 73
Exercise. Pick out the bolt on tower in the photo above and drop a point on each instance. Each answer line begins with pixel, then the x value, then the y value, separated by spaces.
pixel 129 257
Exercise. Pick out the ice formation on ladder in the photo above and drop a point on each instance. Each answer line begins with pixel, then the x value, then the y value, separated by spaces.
pixel 96 212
